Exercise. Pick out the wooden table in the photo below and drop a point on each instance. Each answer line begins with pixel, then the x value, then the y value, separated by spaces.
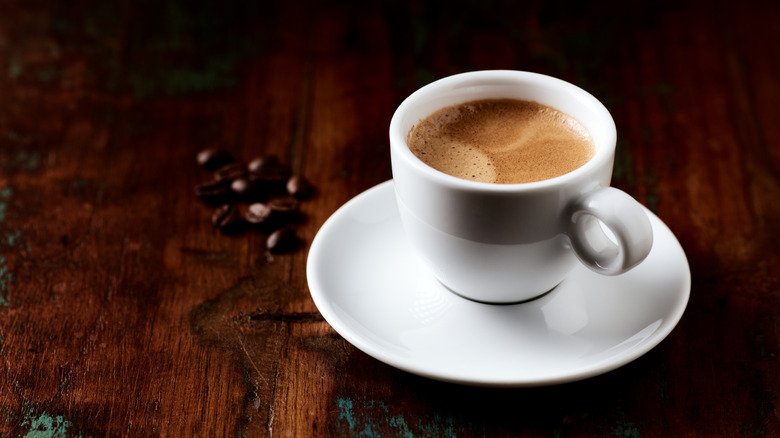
pixel 123 312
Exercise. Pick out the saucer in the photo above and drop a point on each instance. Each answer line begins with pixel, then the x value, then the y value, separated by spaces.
pixel 374 291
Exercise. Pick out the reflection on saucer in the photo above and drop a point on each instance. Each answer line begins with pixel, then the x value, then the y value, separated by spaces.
pixel 431 300
pixel 568 313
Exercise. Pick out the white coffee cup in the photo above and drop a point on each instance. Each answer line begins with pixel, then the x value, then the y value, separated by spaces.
pixel 506 243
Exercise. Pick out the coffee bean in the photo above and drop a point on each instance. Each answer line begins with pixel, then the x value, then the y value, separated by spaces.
pixel 257 164
pixel 269 174
pixel 299 187
pixel 282 240
pixel 259 214
pixel 213 158
pixel 220 214
pixel 235 185
pixel 228 219
pixel 285 209
pixel 231 171
pixel 244 189
pixel 214 192
pixel 283 205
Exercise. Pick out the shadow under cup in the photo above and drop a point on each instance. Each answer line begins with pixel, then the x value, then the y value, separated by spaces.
pixel 496 243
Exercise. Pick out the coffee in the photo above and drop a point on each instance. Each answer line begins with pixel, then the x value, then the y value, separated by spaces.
pixel 504 141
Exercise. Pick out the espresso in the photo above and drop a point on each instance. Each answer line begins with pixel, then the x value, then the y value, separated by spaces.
pixel 503 141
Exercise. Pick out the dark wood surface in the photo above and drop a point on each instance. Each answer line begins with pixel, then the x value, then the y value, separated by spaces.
pixel 124 313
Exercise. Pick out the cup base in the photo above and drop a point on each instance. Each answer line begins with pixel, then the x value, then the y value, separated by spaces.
pixel 499 303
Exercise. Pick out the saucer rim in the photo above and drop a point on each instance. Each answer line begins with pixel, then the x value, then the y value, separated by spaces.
pixel 319 296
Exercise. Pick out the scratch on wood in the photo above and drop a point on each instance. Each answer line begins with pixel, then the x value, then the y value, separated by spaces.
pixel 272 406
pixel 249 358
pixel 282 341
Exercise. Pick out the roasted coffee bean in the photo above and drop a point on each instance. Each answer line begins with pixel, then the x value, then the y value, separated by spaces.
pixel 259 214
pixel 231 171
pixel 214 192
pixel 285 209
pixel 235 185
pixel 244 189
pixel 220 214
pixel 270 177
pixel 257 164
pixel 213 158
pixel 274 214
pixel 278 172
pixel 282 240
pixel 298 187
pixel 228 219
pixel 283 204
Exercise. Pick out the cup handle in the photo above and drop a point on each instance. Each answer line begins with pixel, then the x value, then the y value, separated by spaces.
pixel 609 231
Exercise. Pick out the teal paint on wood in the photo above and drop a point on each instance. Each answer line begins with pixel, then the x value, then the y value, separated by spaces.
pixel 345 412
pixel 27 160
pixel 13 238
pixel 5 196
pixel 372 417
pixel 625 429
pixel 6 278
pixel 24 160
pixel 40 424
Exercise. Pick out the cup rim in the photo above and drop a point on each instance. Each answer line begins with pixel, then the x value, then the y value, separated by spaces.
pixel 486 77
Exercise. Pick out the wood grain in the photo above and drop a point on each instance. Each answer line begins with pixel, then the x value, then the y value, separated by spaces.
pixel 124 313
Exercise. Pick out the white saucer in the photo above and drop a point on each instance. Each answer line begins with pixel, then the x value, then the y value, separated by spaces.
pixel 370 286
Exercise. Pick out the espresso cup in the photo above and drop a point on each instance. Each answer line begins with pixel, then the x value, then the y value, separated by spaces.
pixel 508 243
